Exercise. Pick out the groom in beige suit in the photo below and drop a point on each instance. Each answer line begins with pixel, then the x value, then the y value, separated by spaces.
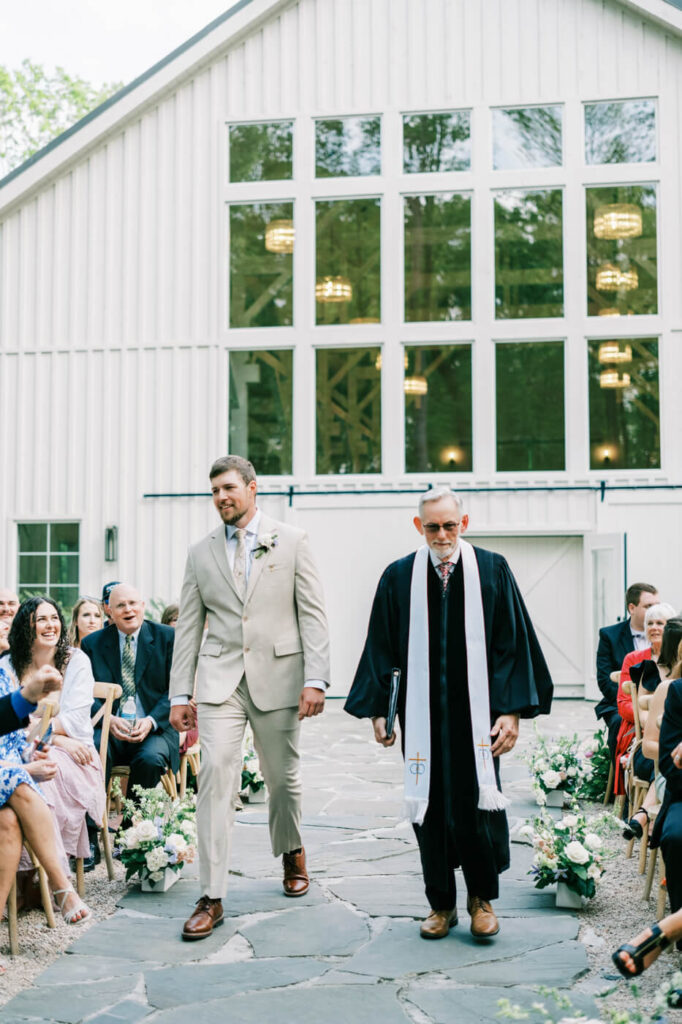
pixel 264 660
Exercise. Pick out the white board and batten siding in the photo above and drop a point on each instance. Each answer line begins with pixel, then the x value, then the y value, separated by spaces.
pixel 113 298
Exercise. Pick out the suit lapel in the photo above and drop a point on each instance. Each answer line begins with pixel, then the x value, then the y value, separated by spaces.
pixel 112 652
pixel 219 551
pixel 258 561
pixel 145 642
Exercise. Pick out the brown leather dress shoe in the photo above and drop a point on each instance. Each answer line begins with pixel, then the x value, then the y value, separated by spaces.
pixel 438 924
pixel 484 924
pixel 296 882
pixel 206 916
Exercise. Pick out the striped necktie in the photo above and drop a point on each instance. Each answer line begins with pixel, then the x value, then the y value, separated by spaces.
pixel 128 669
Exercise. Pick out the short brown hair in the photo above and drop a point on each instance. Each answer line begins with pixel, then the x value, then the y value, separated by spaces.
pixel 227 463
pixel 635 591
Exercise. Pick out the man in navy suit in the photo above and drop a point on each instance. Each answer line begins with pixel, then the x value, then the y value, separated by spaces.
pixel 137 654
pixel 614 643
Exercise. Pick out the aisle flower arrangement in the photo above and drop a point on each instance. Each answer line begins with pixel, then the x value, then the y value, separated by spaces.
pixel 568 851
pixel 252 779
pixel 557 767
pixel 596 762
pixel 162 835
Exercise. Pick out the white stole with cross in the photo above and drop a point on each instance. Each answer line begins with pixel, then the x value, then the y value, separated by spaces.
pixel 417 774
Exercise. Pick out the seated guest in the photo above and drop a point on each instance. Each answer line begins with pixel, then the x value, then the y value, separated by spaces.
pixel 170 615
pixel 654 623
pixel 38 637
pixel 9 604
pixel 667 831
pixel 635 956
pixel 86 618
pixel 106 593
pixel 137 654
pixel 25 813
pixel 614 643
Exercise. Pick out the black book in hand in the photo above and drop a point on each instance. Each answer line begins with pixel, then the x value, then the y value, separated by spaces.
pixel 392 701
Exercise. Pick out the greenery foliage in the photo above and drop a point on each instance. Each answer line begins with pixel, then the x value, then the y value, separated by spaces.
pixel 593 783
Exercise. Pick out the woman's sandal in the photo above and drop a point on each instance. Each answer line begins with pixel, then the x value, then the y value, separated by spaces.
pixel 78 908
pixel 633 829
pixel 637 953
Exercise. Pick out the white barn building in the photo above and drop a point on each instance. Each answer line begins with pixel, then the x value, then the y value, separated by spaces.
pixel 372 245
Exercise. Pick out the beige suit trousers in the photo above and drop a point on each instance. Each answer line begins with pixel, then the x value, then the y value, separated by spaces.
pixel 275 733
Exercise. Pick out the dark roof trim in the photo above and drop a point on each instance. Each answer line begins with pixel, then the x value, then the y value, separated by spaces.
pixel 57 141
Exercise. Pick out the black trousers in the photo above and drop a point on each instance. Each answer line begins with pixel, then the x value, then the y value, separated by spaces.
pixel 671 848
pixel 147 760
pixel 443 847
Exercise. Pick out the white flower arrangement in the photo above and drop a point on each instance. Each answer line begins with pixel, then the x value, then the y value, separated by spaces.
pixel 252 778
pixel 556 765
pixel 162 834
pixel 569 850
pixel 266 542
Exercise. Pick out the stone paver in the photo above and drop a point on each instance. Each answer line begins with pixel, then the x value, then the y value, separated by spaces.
pixel 350 949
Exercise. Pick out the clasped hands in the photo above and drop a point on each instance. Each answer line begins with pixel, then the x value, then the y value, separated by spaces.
pixel 120 730
pixel 504 733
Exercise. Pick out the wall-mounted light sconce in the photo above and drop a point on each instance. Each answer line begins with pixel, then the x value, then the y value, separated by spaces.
pixel 111 544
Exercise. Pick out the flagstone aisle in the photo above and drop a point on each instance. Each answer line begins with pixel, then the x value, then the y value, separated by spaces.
pixel 350 949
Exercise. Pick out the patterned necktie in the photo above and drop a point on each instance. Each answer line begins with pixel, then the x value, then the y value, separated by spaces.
pixel 240 562
pixel 128 669
pixel 445 568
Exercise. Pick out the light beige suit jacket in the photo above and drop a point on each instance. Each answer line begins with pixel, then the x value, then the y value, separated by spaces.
pixel 277 636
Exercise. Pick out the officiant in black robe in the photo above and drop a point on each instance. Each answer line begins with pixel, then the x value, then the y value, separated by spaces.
pixel 455 831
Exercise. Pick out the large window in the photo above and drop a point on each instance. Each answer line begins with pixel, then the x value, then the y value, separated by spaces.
pixel 348 410
pixel 348 261
pixel 529 262
pixel 261 397
pixel 436 142
pixel 529 380
pixel 527 137
pixel 438 409
pixel 621 250
pixel 622 132
pixel 624 412
pixel 48 562
pixel 261 152
pixel 438 257
pixel 347 147
pixel 261 264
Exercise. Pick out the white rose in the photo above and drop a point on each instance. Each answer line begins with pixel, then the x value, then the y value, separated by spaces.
pixel 568 821
pixel 594 872
pixel 146 830
pixel 156 859
pixel 571 772
pixel 593 841
pixel 176 840
pixel 551 779
pixel 129 839
pixel 577 853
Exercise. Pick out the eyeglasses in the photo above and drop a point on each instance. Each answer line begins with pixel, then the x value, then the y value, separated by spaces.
pixel 433 528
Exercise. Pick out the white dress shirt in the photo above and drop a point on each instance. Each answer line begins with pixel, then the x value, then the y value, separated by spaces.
pixel 639 640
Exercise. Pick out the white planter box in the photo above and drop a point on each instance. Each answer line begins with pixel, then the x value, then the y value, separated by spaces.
pixel 567 898
pixel 556 798
pixel 256 796
pixel 170 877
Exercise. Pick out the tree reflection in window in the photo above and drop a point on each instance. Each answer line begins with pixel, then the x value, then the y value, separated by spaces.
pixel 529 264
pixel 347 147
pixel 261 152
pixel 438 409
pixel 348 261
pixel 527 137
pixel 529 389
pixel 261 280
pixel 438 257
pixel 436 142
pixel 261 400
pixel 621 250
pixel 348 410
pixel 624 404
pixel 622 132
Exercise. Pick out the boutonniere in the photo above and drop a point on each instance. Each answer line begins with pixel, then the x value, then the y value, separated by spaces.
pixel 266 542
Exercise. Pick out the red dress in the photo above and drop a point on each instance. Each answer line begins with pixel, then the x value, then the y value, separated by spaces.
pixel 627 729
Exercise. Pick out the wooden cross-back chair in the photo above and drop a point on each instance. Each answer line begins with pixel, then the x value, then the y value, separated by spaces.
pixel 47 709
pixel 656 857
pixel 637 788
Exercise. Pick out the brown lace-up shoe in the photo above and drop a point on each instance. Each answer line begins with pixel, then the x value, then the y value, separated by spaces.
pixel 484 924
pixel 206 916
pixel 438 924
pixel 296 882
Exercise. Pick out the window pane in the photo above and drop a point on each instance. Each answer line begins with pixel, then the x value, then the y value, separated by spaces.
pixel 348 261
pixel 438 409
pixel 438 257
pixel 32 570
pixel 347 146
pixel 621 250
pixel 261 395
pixel 65 597
pixel 63 569
pixel 261 264
pixel 530 406
pixel 620 133
pixel 64 537
pixel 261 152
pixel 437 142
pixel 624 413
pixel 529 261
pixel 33 536
pixel 527 137
pixel 348 410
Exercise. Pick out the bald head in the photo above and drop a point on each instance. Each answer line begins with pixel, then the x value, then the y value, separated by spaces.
pixel 126 608
pixel 9 604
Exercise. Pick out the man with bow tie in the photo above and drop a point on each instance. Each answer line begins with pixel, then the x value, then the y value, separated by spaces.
pixel 264 660
pixel 614 643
